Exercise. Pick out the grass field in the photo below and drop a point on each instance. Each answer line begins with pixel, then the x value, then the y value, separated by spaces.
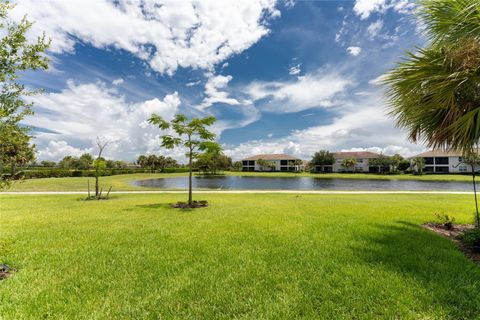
pixel 122 182
pixel 246 256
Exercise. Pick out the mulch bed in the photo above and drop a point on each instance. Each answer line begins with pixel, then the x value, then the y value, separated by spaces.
pixel 453 234
pixel 194 205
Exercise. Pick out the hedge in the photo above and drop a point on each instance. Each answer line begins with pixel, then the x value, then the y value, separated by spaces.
pixel 60 173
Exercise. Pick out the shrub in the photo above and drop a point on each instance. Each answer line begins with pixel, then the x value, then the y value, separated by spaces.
pixel 471 238
pixel 446 220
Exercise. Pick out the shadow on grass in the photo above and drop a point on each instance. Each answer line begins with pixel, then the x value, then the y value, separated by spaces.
pixel 429 259
pixel 154 206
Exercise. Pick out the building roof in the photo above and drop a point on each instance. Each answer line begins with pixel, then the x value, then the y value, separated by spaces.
pixel 276 156
pixel 356 155
pixel 439 153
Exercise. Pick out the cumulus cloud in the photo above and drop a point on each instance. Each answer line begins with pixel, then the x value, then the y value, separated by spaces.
pixel 214 93
pixel 56 150
pixel 167 34
pixel 354 51
pixel 317 89
pixel 81 112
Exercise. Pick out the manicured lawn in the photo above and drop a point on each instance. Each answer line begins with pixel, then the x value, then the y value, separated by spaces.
pixel 122 182
pixel 246 256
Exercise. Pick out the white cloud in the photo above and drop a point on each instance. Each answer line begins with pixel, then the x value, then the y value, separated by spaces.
pixel 364 8
pixel 354 51
pixel 56 150
pixel 317 89
pixel 361 125
pixel 374 28
pixel 294 70
pixel 118 81
pixel 193 83
pixel 81 112
pixel 214 94
pixel 167 34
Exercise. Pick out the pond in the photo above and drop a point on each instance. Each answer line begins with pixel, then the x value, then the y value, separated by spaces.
pixel 300 183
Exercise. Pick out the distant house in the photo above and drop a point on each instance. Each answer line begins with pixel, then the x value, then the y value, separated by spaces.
pixel 276 162
pixel 362 157
pixel 440 161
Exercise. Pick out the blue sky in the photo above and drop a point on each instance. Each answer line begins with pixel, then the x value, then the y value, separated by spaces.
pixel 281 77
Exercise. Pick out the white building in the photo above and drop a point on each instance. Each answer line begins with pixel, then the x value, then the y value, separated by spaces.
pixel 279 162
pixel 440 161
pixel 362 158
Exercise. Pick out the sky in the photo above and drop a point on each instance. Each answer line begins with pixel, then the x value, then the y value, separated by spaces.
pixel 289 77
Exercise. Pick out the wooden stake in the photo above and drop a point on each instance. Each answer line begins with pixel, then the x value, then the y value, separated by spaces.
pixel 110 189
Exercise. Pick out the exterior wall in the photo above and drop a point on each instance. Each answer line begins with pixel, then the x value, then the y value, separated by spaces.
pixel 454 165
pixel 362 165
pixel 252 165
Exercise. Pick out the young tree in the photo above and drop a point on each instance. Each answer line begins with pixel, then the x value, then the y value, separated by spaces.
pixel 99 165
pixel 17 55
pixel 192 135
pixel 349 163
pixel 16 151
pixel 321 159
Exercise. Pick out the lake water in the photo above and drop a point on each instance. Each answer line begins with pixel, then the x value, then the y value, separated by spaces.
pixel 300 183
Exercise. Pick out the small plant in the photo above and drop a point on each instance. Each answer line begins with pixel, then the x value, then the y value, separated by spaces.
pixel 445 220
pixel 471 239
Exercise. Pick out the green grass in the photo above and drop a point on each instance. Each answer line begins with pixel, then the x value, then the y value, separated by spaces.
pixel 122 182
pixel 246 256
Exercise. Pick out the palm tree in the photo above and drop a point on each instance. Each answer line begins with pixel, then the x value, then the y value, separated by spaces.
pixel 434 93
pixel 349 163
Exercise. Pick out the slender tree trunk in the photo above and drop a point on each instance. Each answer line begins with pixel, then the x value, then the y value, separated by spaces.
pixel 477 218
pixel 96 183
pixel 190 178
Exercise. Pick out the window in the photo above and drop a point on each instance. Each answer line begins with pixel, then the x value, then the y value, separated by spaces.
pixel 428 169
pixel 460 159
pixel 283 169
pixel 245 163
pixel 441 169
pixel 283 162
pixel 428 160
pixel 441 160
pixel 251 163
pixel 359 160
pixel 462 168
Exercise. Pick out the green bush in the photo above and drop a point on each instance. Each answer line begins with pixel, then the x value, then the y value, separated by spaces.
pixel 60 173
pixel 471 238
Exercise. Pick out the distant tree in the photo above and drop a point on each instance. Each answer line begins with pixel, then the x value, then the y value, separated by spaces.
pixel 237 166
pixel 321 159
pixel 418 164
pixel 403 165
pixel 380 162
pixel 349 164
pixel 48 164
pixel 213 160
pixel 17 56
pixel 265 164
pixel 395 161
pixel 192 135
pixel 69 162
pixel 142 161
pixel 85 161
